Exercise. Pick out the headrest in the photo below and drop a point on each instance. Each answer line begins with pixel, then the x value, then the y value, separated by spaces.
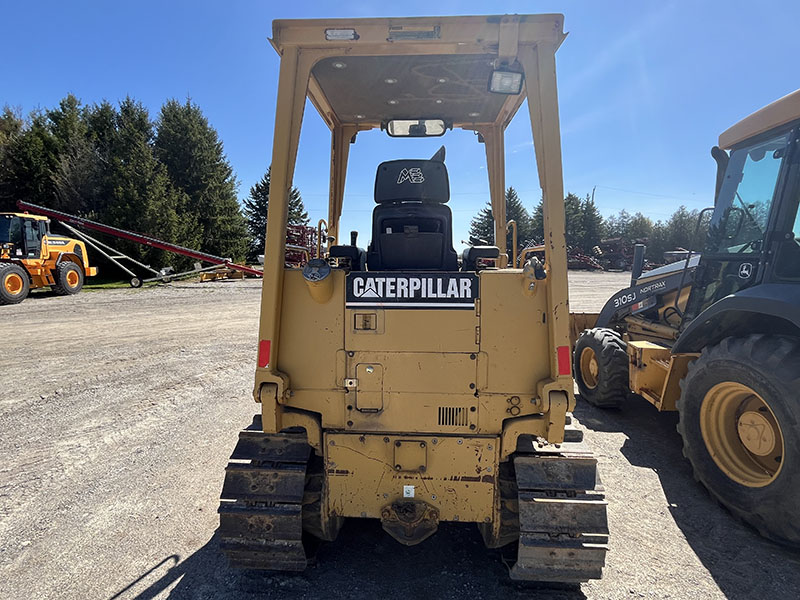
pixel 414 180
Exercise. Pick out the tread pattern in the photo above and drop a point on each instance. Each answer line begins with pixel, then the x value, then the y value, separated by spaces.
pixel 61 274
pixel 4 297
pixel 772 509
pixel 261 508
pixel 560 512
pixel 612 357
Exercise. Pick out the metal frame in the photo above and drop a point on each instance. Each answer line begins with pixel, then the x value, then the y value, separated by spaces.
pixel 530 40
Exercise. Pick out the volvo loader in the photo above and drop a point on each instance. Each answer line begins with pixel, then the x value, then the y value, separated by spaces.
pixel 716 336
pixel 31 258
pixel 403 382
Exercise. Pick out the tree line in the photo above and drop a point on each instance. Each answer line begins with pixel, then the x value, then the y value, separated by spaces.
pixel 586 228
pixel 167 177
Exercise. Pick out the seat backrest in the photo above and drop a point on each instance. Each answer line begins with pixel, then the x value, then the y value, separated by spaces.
pixel 411 226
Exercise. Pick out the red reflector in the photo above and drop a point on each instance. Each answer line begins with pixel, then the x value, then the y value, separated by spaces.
pixel 563 361
pixel 263 353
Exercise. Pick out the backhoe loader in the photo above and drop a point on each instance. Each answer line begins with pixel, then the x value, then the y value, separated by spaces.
pixel 716 336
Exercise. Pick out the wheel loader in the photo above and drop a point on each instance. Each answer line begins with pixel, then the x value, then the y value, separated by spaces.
pixel 31 258
pixel 716 336
pixel 404 382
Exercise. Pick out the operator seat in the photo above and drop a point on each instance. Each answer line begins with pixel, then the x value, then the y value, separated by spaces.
pixel 412 228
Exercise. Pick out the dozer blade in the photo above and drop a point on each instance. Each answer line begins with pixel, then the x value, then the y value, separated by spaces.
pixel 562 515
pixel 261 508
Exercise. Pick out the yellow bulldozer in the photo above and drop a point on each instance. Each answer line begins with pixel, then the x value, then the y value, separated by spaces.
pixel 404 382
pixel 716 336
pixel 31 258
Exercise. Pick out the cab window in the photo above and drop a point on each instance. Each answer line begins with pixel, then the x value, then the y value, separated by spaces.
pixel 743 208
pixel 787 263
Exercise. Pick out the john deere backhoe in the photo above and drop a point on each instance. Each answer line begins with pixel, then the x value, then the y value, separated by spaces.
pixel 717 335
pixel 401 381
pixel 31 257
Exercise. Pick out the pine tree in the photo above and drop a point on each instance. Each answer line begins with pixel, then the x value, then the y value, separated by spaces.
pixel 592 222
pixel 11 127
pixel 537 223
pixel 142 195
pixel 639 227
pixel 194 157
pixel 30 157
pixel 78 169
pixel 255 211
pixel 573 215
pixel 481 227
pixel 516 210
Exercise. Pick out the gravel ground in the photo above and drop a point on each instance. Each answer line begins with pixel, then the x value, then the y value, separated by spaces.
pixel 118 410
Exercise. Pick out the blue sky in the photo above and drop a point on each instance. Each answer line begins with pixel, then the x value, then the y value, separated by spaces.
pixel 645 88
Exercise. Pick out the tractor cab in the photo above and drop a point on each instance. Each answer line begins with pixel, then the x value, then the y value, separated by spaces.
pixel 21 235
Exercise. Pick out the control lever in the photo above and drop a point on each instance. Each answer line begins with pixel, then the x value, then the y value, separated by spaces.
pixel 353 238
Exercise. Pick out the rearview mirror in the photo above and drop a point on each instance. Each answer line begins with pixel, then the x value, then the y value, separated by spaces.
pixel 416 127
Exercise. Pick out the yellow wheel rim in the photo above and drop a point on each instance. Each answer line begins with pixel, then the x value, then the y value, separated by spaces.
pixel 13 284
pixel 72 279
pixel 589 368
pixel 742 434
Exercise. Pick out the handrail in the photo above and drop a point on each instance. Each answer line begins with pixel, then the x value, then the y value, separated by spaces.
pixel 513 224
pixel 319 236
pixel 527 251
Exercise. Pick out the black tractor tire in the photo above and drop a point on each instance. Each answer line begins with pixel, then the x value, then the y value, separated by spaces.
pixel 605 384
pixel 69 279
pixel 15 285
pixel 764 373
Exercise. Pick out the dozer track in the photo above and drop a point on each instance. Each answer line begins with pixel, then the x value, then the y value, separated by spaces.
pixel 261 507
pixel 556 497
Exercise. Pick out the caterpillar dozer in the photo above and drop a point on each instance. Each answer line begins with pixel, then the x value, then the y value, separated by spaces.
pixel 31 258
pixel 402 382
pixel 716 336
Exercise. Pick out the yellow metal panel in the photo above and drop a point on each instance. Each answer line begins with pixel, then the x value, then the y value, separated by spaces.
pixel 369 395
pixel 649 365
pixel 514 333
pixel 315 333
pixel 413 331
pixel 422 372
pixel 458 479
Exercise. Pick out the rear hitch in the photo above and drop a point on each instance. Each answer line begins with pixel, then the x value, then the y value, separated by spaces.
pixel 410 522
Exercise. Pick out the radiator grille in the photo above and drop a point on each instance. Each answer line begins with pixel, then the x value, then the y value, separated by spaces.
pixel 453 416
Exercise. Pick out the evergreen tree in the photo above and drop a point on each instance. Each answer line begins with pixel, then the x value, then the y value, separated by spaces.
pixel 193 154
pixel 29 159
pixel 618 225
pixel 78 169
pixel 592 223
pixel 573 214
pixel 11 126
pixel 142 195
pixel 516 211
pixel 639 227
pixel 481 227
pixel 537 223
pixel 255 211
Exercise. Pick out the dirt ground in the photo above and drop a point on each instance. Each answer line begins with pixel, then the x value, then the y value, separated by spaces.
pixel 118 411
